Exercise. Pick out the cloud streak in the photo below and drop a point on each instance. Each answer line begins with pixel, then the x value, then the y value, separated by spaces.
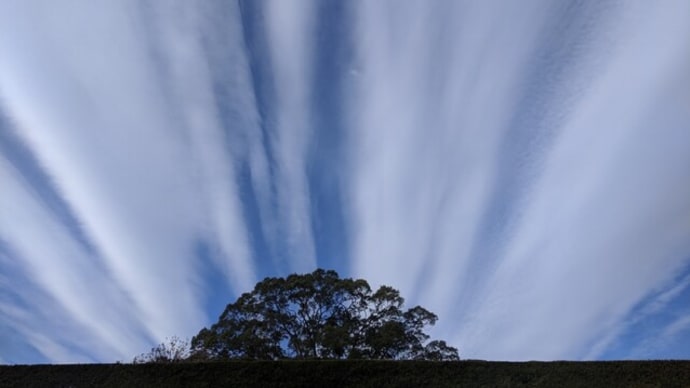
pixel 102 128
pixel 520 169
pixel 503 193
pixel 290 24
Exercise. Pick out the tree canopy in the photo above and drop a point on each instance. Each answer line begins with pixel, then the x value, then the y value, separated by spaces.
pixel 319 315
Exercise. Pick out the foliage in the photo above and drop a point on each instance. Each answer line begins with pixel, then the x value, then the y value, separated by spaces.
pixel 439 351
pixel 173 349
pixel 320 316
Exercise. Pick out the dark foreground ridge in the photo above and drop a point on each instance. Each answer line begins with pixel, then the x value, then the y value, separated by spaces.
pixel 377 374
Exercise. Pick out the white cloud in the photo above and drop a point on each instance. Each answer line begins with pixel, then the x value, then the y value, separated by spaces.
pixel 109 155
pixel 120 105
pixel 664 339
pixel 180 33
pixel 59 266
pixel 290 30
pixel 676 327
pixel 602 223
pixel 605 225
pixel 426 131
pixel 144 170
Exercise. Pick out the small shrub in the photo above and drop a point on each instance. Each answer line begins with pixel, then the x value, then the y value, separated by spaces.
pixel 173 349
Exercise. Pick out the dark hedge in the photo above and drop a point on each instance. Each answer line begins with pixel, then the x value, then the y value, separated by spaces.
pixel 378 374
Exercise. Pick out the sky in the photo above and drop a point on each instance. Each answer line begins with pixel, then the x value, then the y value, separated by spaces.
pixel 520 168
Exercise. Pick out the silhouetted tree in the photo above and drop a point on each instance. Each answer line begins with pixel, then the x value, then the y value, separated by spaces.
pixel 320 315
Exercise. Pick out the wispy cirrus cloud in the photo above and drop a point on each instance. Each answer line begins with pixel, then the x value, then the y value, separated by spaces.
pixel 290 26
pixel 58 276
pixel 181 34
pixel 422 143
pixel 528 187
pixel 520 169
pixel 142 168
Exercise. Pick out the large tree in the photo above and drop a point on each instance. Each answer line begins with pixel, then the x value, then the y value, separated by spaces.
pixel 320 315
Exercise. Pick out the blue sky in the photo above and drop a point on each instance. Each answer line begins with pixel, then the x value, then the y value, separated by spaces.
pixel 522 169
